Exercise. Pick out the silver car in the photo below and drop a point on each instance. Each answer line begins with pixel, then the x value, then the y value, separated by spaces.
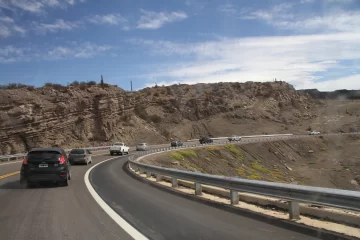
pixel 80 155
pixel 142 147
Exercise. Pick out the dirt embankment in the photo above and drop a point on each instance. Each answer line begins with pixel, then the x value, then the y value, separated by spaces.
pixel 319 161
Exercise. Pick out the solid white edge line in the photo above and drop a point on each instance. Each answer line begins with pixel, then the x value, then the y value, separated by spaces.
pixel 112 214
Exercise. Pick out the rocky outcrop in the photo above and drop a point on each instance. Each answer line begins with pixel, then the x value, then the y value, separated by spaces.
pixel 336 95
pixel 74 117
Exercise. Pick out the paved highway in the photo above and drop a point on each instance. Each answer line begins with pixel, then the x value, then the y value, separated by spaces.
pixel 49 212
pixel 71 212
pixel 159 214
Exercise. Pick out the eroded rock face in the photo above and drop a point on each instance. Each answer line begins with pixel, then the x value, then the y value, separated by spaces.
pixel 74 117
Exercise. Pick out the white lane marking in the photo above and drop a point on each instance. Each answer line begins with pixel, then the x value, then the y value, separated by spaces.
pixel 116 217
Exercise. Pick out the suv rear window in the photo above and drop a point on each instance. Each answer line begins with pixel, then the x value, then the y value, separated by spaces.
pixel 77 151
pixel 41 156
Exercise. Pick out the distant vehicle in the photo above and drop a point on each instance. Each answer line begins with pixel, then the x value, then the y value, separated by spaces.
pixel 45 165
pixel 142 147
pixel 234 138
pixel 80 155
pixel 176 143
pixel 204 140
pixel 314 133
pixel 119 148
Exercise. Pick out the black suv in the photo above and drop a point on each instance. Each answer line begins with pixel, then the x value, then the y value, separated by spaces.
pixel 176 143
pixel 45 165
pixel 203 140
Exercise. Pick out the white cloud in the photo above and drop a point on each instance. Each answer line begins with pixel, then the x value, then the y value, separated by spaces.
pixel 307 1
pixel 113 19
pixel 299 60
pixel 280 11
pixel 6 19
pixel 35 6
pixel 9 54
pixel 339 1
pixel 228 9
pixel 340 21
pixel 4 31
pixel 155 20
pixel 8 27
pixel 58 25
pixel 84 50
pixel 349 82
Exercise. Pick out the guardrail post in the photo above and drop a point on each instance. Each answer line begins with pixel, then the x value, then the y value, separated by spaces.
pixel 174 182
pixel 148 174
pixel 142 171
pixel 294 210
pixel 198 189
pixel 234 197
pixel 158 177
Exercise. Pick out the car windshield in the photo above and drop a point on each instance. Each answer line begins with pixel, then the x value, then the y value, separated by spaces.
pixel 77 151
pixel 40 156
pixel 142 144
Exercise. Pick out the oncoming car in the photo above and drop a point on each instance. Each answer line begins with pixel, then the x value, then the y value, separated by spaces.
pixel 45 165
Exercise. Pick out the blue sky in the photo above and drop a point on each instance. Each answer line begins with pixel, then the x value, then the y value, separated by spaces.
pixel 308 43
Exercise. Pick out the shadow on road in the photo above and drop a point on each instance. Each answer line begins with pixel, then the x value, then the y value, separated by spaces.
pixel 16 185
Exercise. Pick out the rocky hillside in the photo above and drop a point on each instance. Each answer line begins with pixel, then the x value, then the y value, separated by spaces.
pixel 76 116
pixel 335 95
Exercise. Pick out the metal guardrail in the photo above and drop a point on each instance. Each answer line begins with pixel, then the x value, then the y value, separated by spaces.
pixel 295 194
pixel 21 155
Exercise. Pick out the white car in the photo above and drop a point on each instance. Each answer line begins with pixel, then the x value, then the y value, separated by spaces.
pixel 234 138
pixel 314 133
pixel 119 148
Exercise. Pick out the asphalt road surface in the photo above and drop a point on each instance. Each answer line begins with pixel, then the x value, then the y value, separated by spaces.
pixel 159 214
pixel 50 212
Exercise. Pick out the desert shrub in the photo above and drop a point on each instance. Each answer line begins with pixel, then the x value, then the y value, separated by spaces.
pixel 91 83
pixel 83 85
pixel 75 84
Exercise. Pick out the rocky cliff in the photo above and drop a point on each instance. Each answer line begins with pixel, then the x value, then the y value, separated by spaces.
pixel 92 115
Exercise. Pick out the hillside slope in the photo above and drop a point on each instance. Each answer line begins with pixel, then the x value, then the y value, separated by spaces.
pixel 316 161
pixel 91 115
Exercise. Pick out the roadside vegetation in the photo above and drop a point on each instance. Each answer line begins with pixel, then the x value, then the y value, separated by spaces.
pixel 324 162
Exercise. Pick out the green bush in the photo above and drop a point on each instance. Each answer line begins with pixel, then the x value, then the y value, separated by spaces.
pixel 176 156
pixel 188 153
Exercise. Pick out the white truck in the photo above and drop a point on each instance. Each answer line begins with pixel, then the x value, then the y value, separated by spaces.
pixel 119 148
pixel 314 133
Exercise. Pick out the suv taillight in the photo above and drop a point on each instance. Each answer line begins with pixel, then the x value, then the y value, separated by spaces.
pixel 62 160
pixel 84 155
pixel 25 161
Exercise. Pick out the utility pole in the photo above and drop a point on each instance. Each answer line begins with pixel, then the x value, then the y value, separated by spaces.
pixel 131 85
pixel 102 82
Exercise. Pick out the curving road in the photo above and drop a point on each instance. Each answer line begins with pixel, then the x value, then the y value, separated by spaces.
pixel 50 212
pixel 160 214
pixel 71 212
